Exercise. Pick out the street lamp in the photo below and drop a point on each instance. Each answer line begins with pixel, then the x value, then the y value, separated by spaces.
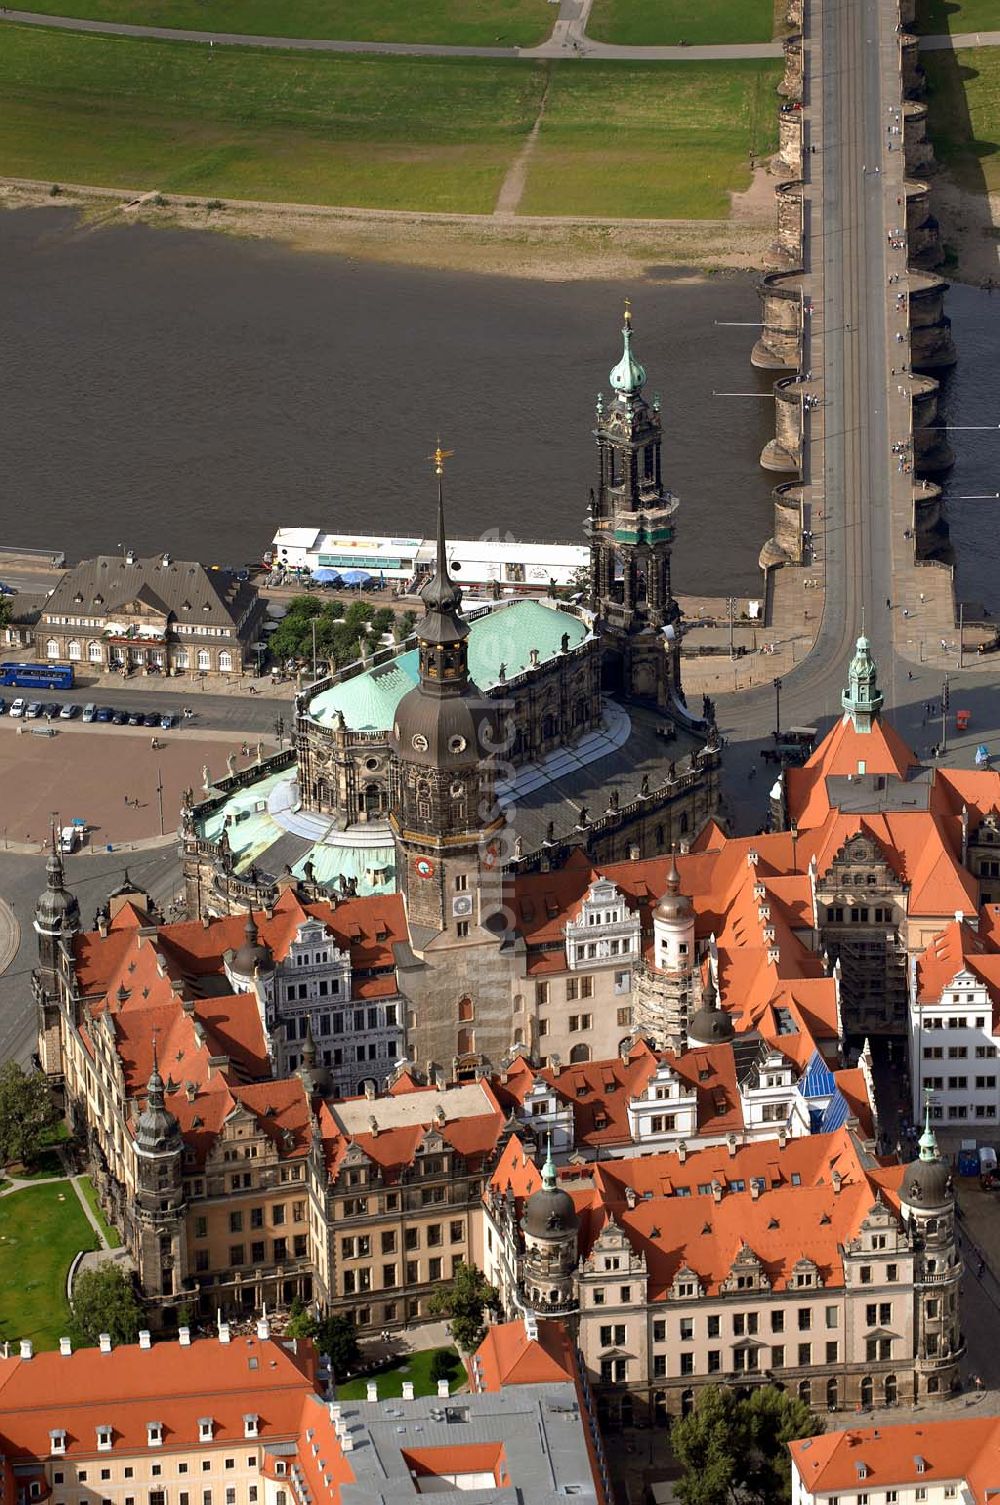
pixel 945 702
pixel 279 730
pixel 777 710
pixel 731 608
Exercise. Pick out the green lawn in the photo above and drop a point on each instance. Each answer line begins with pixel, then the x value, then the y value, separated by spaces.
pixel 41 1229
pixel 379 132
pixel 651 140
pixel 415 1367
pixel 937 16
pixel 110 1233
pixel 467 23
pixel 964 114
pixel 650 23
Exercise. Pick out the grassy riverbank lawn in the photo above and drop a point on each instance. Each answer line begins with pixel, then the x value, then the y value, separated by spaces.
pixel 964 114
pixel 651 140
pixel 379 132
pixel 934 17
pixel 465 23
pixel 639 23
pixel 41 1229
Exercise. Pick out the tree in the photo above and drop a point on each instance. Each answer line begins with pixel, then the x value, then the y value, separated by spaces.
pixel 301 1323
pixel 104 1301
pixel 382 622
pixel 732 1447
pixel 338 1338
pixel 466 1301
pixel 705 1444
pixel 771 1420
pixel 26 1111
pixel 5 610
pixel 443 1365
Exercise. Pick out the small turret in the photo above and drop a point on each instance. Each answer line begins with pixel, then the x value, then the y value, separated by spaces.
pixel 254 955
pixel 157 1131
pixel 628 377
pixel 927 1182
pixel 862 700
pixel 549 1224
pixel 711 1025
pixel 315 1078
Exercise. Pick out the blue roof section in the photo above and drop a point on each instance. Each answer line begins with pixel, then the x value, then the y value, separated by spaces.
pixel 836 1115
pixel 818 1080
pixel 504 636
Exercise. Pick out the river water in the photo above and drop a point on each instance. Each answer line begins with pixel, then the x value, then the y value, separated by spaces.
pixel 192 392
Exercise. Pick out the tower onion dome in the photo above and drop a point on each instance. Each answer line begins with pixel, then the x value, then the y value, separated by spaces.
pixel 628 376
pixel 549 1211
pixel 927 1180
pixel 711 1025
pixel 57 908
pixel 437 723
pixel 862 699
pixel 157 1131
pixel 254 953
pixel 673 905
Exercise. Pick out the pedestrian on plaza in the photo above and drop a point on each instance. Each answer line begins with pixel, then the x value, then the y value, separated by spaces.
pixel 982 1265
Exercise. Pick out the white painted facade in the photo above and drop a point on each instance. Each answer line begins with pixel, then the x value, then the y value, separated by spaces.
pixel 954 1055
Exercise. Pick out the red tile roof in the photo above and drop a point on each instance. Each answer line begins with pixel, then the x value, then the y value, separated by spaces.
pixel 959 1448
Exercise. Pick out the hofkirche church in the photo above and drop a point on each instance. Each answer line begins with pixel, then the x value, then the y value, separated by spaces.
pixel 494 742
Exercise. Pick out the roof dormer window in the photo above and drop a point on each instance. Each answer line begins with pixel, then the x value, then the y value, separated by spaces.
pixel 154 1434
pixel 206 1429
pixel 251 1425
pixel 104 1434
pixel 57 1443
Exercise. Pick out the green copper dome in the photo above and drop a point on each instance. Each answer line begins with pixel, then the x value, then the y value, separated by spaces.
pixel 862 699
pixel 628 376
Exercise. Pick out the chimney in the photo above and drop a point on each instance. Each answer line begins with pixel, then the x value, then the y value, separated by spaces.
pixel 407 1389
pixel 373 1124
pixel 633 853
pixel 630 1197
pixel 731 1142
pixel 782 1137
pixel 65 1347
pixel 531 1328
pixel 371 1390
pixel 263 1329
pixel 838 1181
pixel 145 1341
pixel 442 1389
pixel 682 1150
pixel 754 1188
pixel 105 1342
pixel 184 1337
pixel 26 1348
pixel 223 1332
pixel 369 1089
pixel 716 1191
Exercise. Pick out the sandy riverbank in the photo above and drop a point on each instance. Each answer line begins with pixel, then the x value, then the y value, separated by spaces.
pixel 553 249
pixel 970 228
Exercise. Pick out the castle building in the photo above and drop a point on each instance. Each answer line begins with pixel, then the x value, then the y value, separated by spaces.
pixel 245 1420
pixel 805 1262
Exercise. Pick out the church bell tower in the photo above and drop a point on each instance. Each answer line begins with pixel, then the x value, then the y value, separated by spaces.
pixel 631 529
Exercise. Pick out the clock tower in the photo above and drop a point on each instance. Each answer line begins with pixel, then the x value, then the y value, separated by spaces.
pixel 444 815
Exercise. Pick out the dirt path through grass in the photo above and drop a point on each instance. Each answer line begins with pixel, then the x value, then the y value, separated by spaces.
pixel 512 187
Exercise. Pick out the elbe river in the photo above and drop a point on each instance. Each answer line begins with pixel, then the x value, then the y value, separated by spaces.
pixel 192 392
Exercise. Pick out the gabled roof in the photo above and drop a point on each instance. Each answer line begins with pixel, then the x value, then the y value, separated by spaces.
pixel 927 1453
pixel 508 1356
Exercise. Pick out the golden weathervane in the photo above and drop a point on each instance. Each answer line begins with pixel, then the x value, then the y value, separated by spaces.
pixel 439 456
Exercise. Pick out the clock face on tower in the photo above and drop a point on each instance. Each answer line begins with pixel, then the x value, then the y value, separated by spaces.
pixel 419 742
pixel 424 867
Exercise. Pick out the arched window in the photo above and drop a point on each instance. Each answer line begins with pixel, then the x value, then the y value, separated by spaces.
pixel 687 1402
pixel 181 658
pixel 465 1010
pixel 548 726
pixel 95 653
pixel 519 1036
pixel 831 1395
pixel 806 1391
pixel 580 1053
pixel 52 648
pixel 204 659
pixel 74 650
pixel 891 1391
pixel 225 661
pixel 867 1390
pixel 466 1042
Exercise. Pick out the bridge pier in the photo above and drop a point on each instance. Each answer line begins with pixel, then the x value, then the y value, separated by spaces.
pixel 932 453
pixel 787 161
pixel 784 451
pixel 918 153
pixel 785 251
pixel 791 84
pixel 779 347
pixel 931 344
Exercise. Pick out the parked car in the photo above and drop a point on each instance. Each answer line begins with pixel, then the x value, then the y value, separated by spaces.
pixel 52 709
pixel 17 707
pixel 90 711
pixel 104 713
pixel 120 718
pixel 135 718
pixel 166 721
pixel 68 711
pixel 33 710
pixel 151 718
pixel 3 706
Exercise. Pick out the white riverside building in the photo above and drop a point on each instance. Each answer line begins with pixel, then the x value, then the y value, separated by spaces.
pixel 400 560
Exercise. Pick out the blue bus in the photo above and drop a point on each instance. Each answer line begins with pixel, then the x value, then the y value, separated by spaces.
pixel 37 676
